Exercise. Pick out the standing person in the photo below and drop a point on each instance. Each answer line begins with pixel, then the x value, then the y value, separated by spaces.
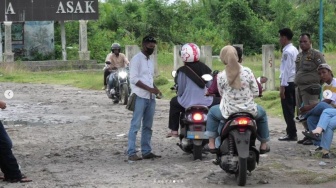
pixel 191 88
pixel 307 79
pixel 142 84
pixel 8 163
pixel 287 88
pixel 113 61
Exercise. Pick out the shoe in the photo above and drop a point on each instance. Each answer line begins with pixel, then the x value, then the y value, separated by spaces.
pixel 134 158
pixel 300 119
pixel 112 91
pixel 326 156
pixel 263 151
pixel 311 135
pixel 303 140
pixel 150 156
pixel 288 138
pixel 307 142
pixel 318 148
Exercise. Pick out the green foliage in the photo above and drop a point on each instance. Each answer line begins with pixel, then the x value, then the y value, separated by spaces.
pixel 159 81
pixel 216 23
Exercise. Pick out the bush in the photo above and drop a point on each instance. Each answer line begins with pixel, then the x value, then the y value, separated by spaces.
pixel 160 80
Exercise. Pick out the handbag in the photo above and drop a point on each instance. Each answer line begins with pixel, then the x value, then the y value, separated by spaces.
pixel 131 102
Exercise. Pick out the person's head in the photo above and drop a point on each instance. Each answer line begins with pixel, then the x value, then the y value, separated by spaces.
pixel 115 48
pixel 285 36
pixel 239 53
pixel 148 45
pixel 263 79
pixel 229 57
pixel 305 42
pixel 325 72
pixel 190 52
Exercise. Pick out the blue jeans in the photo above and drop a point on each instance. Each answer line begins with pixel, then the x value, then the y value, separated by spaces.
pixel 313 117
pixel 328 123
pixel 112 79
pixel 215 117
pixel 8 163
pixel 143 113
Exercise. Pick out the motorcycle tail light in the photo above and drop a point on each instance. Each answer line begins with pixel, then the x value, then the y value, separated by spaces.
pixel 197 117
pixel 242 121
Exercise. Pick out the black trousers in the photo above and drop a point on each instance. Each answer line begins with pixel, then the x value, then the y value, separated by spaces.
pixel 176 109
pixel 288 108
pixel 106 73
pixel 8 163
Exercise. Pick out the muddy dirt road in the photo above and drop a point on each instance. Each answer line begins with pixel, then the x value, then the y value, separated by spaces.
pixel 69 137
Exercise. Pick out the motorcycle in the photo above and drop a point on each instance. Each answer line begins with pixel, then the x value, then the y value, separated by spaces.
pixel 118 85
pixel 237 151
pixel 192 126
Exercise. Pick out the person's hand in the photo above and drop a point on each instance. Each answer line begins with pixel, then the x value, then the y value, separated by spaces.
pixel 2 105
pixel 282 92
pixel 155 91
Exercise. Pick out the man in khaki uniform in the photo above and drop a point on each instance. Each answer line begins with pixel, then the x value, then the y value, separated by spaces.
pixel 113 61
pixel 307 79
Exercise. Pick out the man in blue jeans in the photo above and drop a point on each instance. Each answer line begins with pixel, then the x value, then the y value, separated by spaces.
pixel 142 84
pixel 8 163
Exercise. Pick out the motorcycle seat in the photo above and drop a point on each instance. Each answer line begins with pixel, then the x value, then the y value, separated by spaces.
pixel 202 108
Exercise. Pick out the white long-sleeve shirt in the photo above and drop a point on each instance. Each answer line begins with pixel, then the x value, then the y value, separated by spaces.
pixel 287 66
pixel 142 68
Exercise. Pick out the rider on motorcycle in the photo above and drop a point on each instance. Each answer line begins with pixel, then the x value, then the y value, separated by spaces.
pixel 237 86
pixel 113 61
pixel 191 88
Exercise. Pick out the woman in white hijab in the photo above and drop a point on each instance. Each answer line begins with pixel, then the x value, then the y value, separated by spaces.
pixel 238 87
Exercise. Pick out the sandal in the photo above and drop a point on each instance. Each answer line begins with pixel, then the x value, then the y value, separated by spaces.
pixel 211 150
pixel 23 179
pixel 263 151
pixel 311 135
pixel 171 134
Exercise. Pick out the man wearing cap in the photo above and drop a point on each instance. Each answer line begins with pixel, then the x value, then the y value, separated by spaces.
pixel 314 111
pixel 307 79
pixel 142 84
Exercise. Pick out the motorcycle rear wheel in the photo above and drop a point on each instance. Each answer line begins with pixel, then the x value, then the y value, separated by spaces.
pixel 241 174
pixel 197 152
pixel 124 94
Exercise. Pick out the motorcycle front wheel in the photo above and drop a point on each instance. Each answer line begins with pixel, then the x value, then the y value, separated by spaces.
pixel 124 94
pixel 242 171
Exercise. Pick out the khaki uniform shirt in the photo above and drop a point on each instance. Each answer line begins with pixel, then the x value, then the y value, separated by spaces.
pixel 306 68
pixel 117 62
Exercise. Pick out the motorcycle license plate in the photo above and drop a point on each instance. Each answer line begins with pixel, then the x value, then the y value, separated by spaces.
pixel 196 135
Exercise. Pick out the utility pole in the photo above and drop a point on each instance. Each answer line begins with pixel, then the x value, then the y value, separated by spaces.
pixel 321 27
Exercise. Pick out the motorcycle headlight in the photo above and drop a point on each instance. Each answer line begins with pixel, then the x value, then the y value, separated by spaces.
pixel 123 74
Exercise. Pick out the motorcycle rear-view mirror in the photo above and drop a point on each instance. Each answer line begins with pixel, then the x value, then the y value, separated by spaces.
pixel 173 73
pixel 207 77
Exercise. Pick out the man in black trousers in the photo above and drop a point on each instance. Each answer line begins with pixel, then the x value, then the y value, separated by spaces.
pixel 287 87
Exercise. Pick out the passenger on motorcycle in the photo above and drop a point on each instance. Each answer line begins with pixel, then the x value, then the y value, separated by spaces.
pixel 238 87
pixel 191 88
pixel 113 61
